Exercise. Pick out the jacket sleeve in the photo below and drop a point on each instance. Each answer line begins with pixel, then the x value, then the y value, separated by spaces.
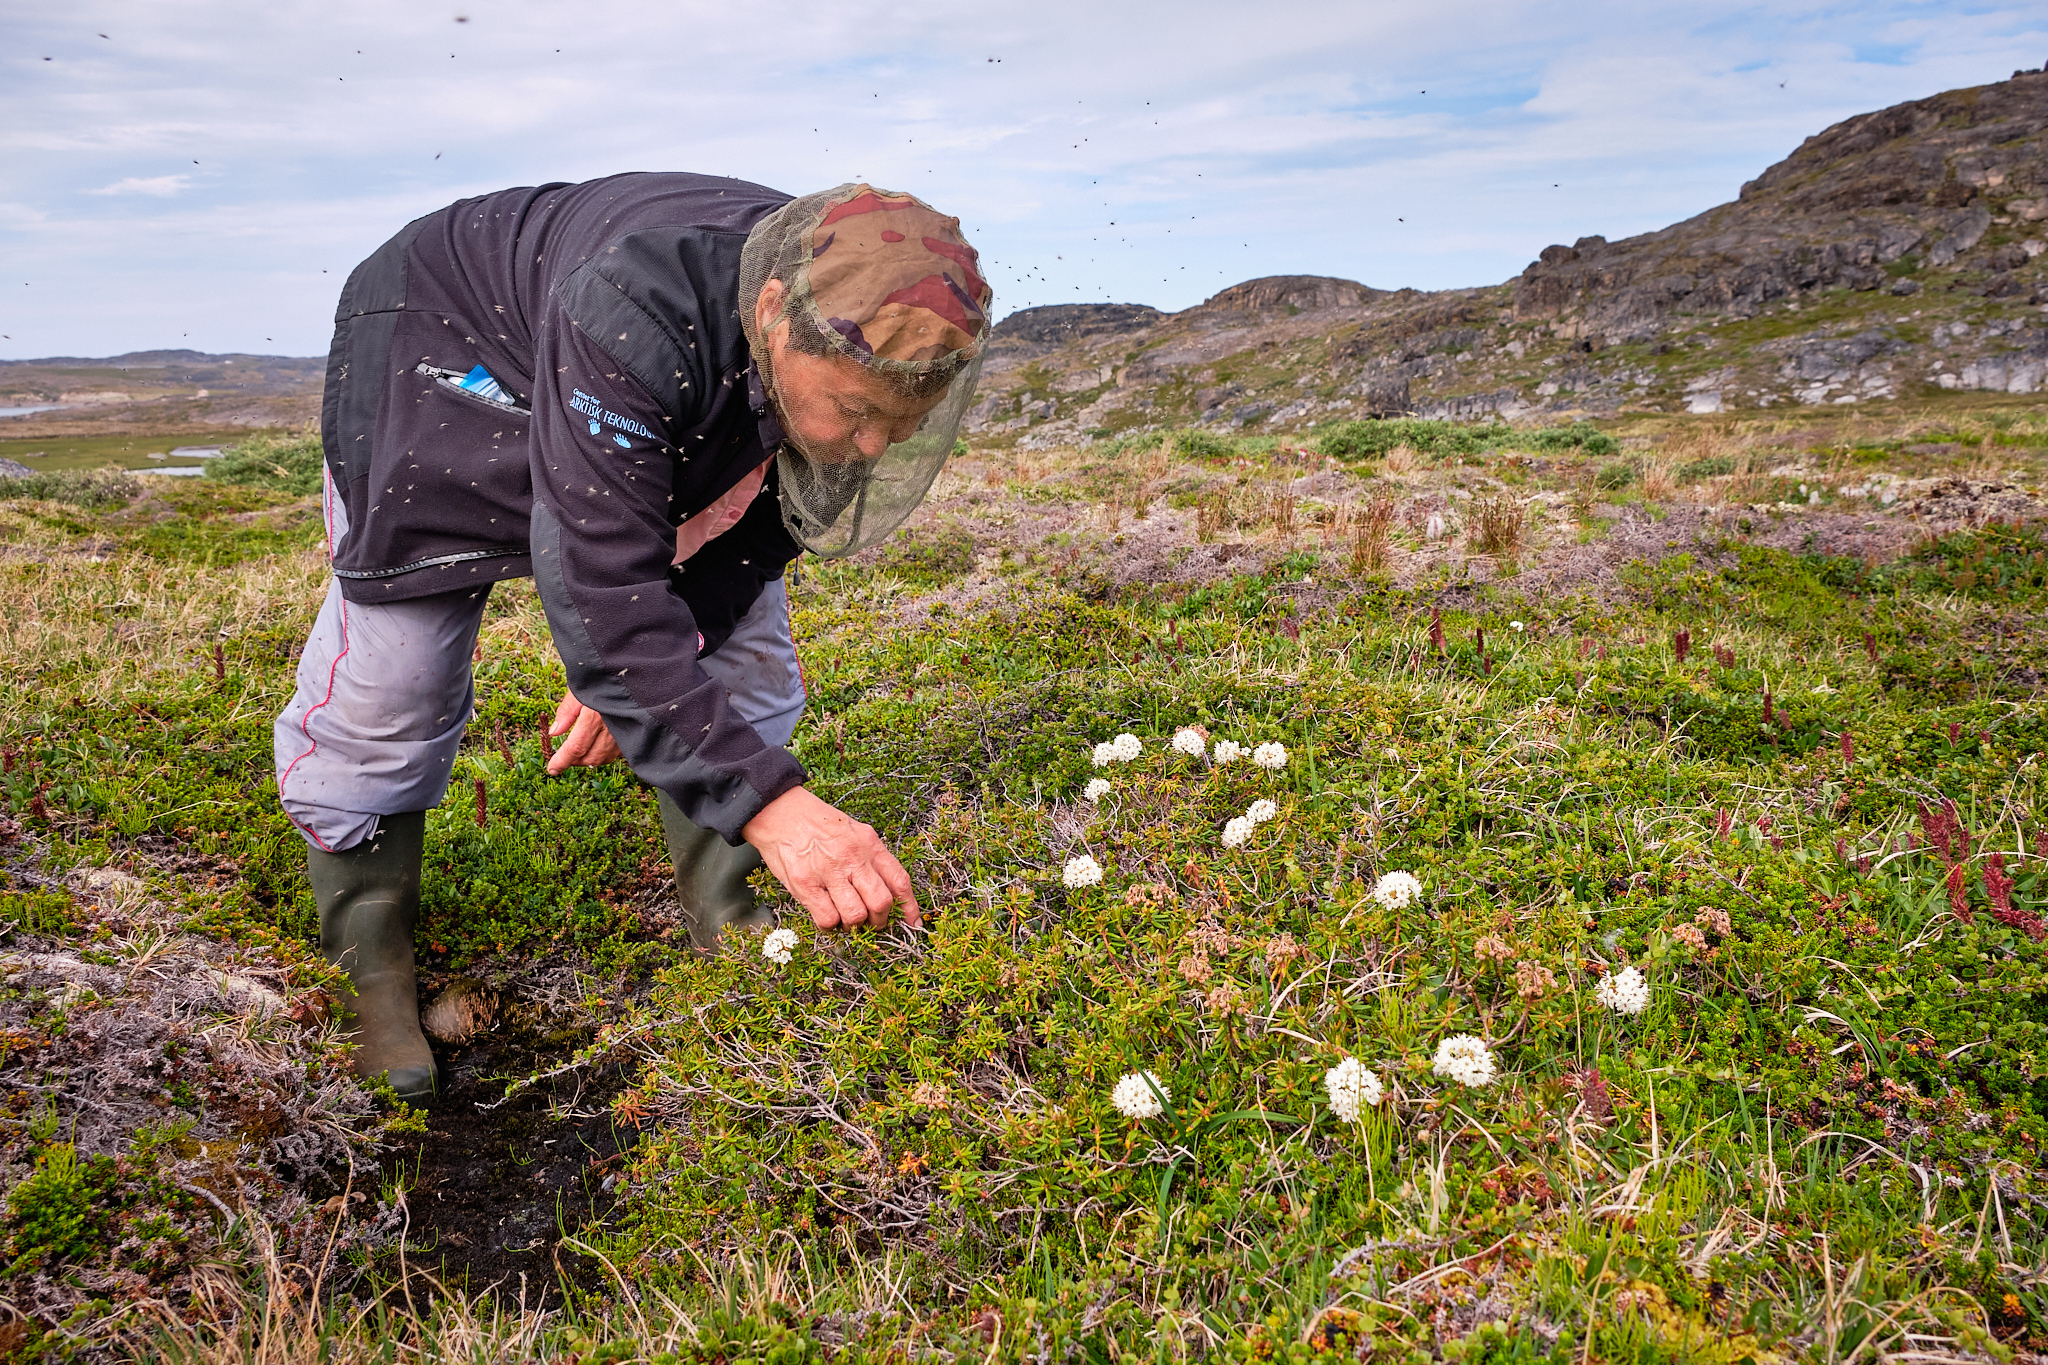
pixel 602 545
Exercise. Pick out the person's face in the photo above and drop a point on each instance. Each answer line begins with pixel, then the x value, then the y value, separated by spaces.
pixel 835 408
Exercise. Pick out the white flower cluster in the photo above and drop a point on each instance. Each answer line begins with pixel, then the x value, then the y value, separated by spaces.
pixel 1190 742
pixel 1239 827
pixel 778 946
pixel 1271 755
pixel 1396 890
pixel 1352 1089
pixel 1135 1096
pixel 1081 871
pixel 1624 992
pixel 1096 789
pixel 1122 749
pixel 1464 1059
pixel 1226 751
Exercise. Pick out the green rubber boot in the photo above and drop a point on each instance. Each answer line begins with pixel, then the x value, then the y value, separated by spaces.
pixel 369 896
pixel 711 879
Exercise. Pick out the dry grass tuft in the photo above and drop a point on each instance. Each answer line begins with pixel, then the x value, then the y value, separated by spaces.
pixel 1750 482
pixel 1212 515
pixel 128 616
pixel 1372 532
pixel 1496 526
pixel 1152 468
pixel 1400 461
pixel 1280 514
pixel 1660 481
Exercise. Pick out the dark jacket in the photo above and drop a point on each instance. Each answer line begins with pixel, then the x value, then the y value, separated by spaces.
pixel 607 314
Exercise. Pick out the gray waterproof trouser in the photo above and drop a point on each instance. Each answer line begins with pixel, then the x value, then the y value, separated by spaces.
pixel 385 692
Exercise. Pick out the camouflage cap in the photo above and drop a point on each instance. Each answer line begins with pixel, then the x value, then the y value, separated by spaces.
pixel 886 281
pixel 896 280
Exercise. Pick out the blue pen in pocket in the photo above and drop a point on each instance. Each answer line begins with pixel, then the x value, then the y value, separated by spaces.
pixel 479 382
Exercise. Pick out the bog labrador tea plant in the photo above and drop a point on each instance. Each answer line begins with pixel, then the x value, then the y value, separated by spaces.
pixel 1314 966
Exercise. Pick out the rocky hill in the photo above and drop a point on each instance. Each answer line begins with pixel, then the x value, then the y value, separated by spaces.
pixel 1895 252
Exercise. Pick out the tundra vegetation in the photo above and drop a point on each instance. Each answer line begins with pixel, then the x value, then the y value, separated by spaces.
pixel 1711 1027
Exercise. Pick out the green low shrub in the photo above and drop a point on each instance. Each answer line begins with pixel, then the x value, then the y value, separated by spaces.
pixel 1578 436
pixel 58 1213
pixel 1369 438
pixel 1372 437
pixel 1614 477
pixel 89 488
pixel 284 461
pixel 1194 441
pixel 930 556
pixel 1708 468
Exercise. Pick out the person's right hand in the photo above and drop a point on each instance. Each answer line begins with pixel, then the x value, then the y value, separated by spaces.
pixel 837 868
pixel 590 743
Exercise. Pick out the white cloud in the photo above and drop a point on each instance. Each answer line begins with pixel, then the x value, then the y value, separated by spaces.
pixel 161 186
pixel 235 152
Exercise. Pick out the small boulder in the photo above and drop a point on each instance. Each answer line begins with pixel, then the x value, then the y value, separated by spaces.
pixel 2011 256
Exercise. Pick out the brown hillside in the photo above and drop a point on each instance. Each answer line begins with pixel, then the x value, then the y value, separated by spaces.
pixel 1895 252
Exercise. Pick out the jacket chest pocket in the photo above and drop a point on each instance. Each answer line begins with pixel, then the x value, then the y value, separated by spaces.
pixel 477 386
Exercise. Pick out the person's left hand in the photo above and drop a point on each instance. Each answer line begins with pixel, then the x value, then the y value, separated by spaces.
pixel 590 744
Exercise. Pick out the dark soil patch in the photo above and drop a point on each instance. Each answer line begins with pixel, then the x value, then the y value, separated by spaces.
pixel 494 1191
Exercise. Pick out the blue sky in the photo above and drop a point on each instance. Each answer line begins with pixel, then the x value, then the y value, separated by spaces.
pixel 205 175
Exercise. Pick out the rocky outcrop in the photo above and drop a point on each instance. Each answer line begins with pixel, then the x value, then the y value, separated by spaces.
pixel 1920 232
pixel 2010 359
pixel 1056 324
pixel 1927 177
pixel 1290 294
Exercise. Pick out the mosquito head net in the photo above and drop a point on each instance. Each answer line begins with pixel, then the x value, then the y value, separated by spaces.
pixel 857 276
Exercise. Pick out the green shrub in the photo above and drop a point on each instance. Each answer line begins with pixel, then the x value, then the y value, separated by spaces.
pixel 1109 447
pixel 92 488
pixel 1707 468
pixel 1997 562
pixel 1194 441
pixel 930 556
pixel 1578 436
pixel 57 1214
pixel 1373 437
pixel 284 461
pixel 39 912
pixel 967 741
pixel 1615 476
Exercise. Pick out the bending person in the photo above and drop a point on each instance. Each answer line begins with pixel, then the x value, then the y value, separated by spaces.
pixel 651 393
